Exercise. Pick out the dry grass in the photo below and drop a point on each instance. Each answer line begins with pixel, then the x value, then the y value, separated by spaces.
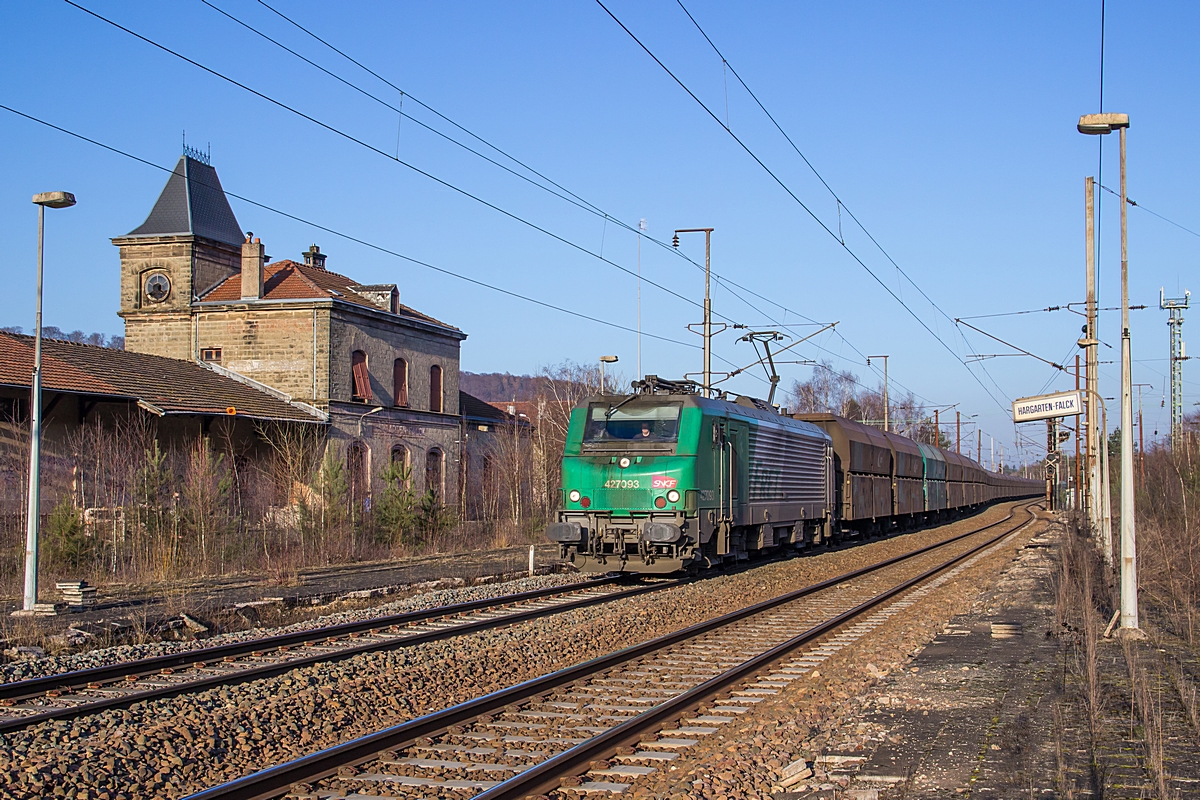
pixel 1084 597
pixel 118 509
pixel 1169 538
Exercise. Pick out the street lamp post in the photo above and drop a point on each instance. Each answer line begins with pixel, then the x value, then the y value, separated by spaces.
pixel 885 387
pixel 1104 124
pixel 707 301
pixel 605 360
pixel 33 510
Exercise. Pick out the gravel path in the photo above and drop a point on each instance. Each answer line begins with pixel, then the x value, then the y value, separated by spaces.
pixel 806 741
pixel 172 747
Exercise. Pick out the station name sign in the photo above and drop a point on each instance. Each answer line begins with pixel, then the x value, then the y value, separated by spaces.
pixel 1063 404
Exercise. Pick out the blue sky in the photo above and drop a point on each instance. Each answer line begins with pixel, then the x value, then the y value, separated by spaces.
pixel 948 129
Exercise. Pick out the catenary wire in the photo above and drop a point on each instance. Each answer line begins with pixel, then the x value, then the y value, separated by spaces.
pixel 567 194
pixel 352 238
pixel 351 138
pixel 571 196
pixel 1153 213
pixel 358 240
pixel 804 206
pixel 840 203
pixel 376 150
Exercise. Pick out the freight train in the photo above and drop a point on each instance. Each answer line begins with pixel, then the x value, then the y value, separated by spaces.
pixel 665 480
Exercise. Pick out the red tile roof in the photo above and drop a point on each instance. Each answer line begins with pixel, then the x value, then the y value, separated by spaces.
pixel 291 280
pixel 167 384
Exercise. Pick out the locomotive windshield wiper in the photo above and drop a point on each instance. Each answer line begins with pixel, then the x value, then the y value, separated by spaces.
pixel 611 409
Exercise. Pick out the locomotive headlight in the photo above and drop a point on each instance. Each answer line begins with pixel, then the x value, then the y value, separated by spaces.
pixel 624 462
pixel 574 495
pixel 673 496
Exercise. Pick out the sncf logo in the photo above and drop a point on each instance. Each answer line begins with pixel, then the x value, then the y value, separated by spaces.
pixel 663 482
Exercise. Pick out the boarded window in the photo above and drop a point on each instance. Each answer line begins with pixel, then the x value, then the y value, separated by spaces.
pixel 400 459
pixel 400 382
pixel 433 472
pixel 435 388
pixel 360 379
pixel 359 478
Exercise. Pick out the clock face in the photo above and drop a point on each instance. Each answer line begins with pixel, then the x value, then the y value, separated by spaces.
pixel 158 287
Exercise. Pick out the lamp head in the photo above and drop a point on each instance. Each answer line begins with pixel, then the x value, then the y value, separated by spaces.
pixel 54 199
pixel 1102 123
pixel 608 359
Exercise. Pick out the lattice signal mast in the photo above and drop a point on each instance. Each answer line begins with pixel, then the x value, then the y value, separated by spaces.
pixel 1176 307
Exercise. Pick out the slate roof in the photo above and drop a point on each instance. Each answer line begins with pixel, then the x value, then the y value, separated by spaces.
pixel 528 409
pixel 194 203
pixel 166 385
pixel 291 280
pixel 472 408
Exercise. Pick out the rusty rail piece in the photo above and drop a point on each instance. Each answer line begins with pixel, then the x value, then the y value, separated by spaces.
pixel 275 781
pixel 56 687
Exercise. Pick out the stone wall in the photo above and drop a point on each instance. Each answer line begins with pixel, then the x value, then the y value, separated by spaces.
pixel 413 433
pixel 192 264
pixel 384 340
pixel 160 334
pixel 284 347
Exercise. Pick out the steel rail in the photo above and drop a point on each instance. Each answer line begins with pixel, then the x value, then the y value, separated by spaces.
pixel 547 775
pixel 273 781
pixel 113 673
pixel 78 678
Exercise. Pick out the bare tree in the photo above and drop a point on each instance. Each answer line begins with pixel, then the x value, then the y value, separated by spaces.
pixel 828 391
pixel 561 388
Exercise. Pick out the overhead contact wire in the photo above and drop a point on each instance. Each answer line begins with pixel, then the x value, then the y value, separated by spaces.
pixel 357 240
pixel 801 203
pixel 389 156
pixel 821 178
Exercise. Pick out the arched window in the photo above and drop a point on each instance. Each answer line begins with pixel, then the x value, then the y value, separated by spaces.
pixel 360 379
pixel 358 477
pixel 435 388
pixel 433 472
pixel 400 382
pixel 400 459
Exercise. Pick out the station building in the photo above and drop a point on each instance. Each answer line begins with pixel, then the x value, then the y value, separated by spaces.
pixel 319 346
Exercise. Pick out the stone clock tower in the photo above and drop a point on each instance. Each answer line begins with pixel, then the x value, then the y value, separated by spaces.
pixel 190 242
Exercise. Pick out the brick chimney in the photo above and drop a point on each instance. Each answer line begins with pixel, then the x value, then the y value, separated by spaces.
pixel 252 269
pixel 313 257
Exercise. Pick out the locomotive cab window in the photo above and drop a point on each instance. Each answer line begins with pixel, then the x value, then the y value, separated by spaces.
pixel 633 422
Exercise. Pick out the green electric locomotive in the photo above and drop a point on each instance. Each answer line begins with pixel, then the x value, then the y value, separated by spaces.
pixel 665 480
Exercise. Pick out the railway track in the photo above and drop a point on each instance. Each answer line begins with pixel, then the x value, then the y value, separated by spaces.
pixel 75 694
pixel 625 715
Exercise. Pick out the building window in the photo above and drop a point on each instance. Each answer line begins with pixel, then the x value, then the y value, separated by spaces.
pixel 400 382
pixel 435 388
pixel 211 354
pixel 433 472
pixel 400 459
pixel 359 478
pixel 360 379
